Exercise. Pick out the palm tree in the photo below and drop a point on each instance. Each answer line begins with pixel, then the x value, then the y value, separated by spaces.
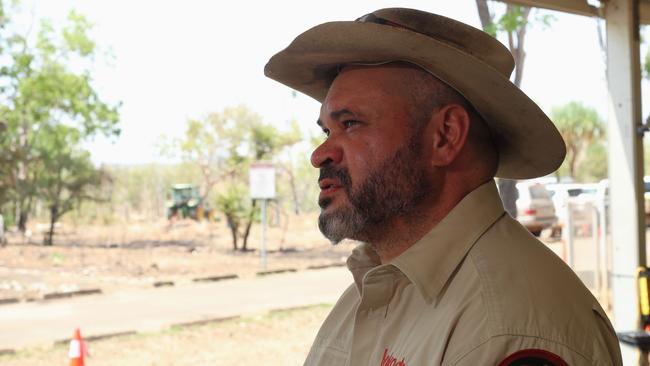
pixel 580 126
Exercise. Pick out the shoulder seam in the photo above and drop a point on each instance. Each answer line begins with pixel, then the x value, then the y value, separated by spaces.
pixel 485 284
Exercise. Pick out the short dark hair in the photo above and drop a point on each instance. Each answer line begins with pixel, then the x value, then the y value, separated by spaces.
pixel 428 94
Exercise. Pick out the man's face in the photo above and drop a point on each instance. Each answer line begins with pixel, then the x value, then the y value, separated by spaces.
pixel 371 168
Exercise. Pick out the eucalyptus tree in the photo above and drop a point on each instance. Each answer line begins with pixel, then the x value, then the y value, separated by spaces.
pixel 67 176
pixel 46 81
pixel 224 144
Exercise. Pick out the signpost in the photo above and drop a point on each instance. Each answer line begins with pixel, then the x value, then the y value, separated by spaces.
pixel 262 187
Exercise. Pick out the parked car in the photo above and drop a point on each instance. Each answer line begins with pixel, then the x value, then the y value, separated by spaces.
pixel 535 209
pixel 583 196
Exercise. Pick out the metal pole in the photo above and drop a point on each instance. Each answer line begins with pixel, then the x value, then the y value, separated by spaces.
pixel 604 253
pixel 567 233
pixel 263 246
pixel 595 238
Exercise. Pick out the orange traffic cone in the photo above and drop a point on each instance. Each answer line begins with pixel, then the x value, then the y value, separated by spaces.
pixel 78 350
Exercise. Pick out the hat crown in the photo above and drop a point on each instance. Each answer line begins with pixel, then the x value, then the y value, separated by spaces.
pixel 454 33
pixel 467 59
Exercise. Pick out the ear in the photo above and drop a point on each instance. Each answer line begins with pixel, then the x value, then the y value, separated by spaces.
pixel 450 129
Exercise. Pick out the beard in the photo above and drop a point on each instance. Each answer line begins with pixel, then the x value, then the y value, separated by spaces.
pixel 392 189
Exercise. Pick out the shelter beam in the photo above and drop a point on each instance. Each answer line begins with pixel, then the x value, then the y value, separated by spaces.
pixel 625 161
pixel 580 7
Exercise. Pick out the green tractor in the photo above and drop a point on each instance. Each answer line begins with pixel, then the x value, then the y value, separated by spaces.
pixel 186 202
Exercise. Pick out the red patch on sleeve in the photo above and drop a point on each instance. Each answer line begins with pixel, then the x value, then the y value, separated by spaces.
pixel 533 357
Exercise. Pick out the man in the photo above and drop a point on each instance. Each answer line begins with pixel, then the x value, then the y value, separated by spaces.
pixel 419 117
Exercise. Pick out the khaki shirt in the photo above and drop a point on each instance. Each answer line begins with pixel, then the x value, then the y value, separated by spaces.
pixel 473 291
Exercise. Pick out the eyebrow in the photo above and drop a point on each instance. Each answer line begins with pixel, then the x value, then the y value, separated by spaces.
pixel 336 115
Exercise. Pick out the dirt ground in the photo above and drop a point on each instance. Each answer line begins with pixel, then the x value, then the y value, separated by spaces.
pixel 279 338
pixel 141 254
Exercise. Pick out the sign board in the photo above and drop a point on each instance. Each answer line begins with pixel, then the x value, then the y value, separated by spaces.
pixel 262 180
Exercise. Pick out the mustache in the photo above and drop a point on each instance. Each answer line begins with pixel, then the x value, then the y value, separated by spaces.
pixel 341 174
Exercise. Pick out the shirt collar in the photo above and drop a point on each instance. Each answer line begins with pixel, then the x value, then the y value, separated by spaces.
pixel 430 262
pixel 363 259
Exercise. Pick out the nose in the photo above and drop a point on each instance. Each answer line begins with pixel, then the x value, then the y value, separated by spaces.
pixel 326 153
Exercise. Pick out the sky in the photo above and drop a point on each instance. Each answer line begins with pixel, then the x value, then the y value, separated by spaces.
pixel 176 60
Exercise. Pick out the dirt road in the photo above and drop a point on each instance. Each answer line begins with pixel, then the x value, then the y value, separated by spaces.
pixel 31 324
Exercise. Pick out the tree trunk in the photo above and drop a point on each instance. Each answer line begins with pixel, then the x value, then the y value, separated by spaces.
pixel 517 50
pixel 484 14
pixel 54 215
pixel 22 219
pixel 507 187
pixel 233 230
pixel 251 215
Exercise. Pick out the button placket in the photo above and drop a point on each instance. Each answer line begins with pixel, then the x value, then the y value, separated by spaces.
pixel 376 294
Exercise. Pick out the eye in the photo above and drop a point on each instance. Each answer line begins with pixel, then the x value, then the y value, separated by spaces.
pixel 349 123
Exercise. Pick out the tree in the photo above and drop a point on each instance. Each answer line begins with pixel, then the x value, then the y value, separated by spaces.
pixel 594 166
pixel 66 176
pixel 580 126
pixel 40 89
pixel 224 145
pixel 514 23
pixel 250 140
pixel 233 204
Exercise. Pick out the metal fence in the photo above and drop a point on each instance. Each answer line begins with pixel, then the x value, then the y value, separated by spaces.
pixel 585 244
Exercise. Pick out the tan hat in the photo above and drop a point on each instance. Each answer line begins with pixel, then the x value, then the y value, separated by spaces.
pixel 467 59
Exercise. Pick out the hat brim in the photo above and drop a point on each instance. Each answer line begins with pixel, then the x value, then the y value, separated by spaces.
pixel 529 144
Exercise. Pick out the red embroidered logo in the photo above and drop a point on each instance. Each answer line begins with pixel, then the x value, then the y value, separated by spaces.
pixel 389 360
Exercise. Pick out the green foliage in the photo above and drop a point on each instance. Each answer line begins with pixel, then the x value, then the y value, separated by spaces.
pixel 75 34
pixel 223 145
pixel 492 29
pixel 580 126
pixel 66 176
pixel 545 19
pixel 512 19
pixel 515 18
pixel 49 108
pixel 233 203
pixel 513 23
pixel 594 167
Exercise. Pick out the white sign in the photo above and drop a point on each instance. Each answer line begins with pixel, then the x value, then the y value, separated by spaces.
pixel 262 181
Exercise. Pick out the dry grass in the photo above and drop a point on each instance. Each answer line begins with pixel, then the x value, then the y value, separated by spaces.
pixel 278 338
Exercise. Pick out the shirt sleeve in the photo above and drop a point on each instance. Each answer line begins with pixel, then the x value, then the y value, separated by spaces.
pixel 500 350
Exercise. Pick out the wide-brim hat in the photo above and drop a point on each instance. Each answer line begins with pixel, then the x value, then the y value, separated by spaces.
pixel 467 59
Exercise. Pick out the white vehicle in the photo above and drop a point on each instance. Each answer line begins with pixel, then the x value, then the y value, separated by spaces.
pixel 535 209
pixel 583 197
